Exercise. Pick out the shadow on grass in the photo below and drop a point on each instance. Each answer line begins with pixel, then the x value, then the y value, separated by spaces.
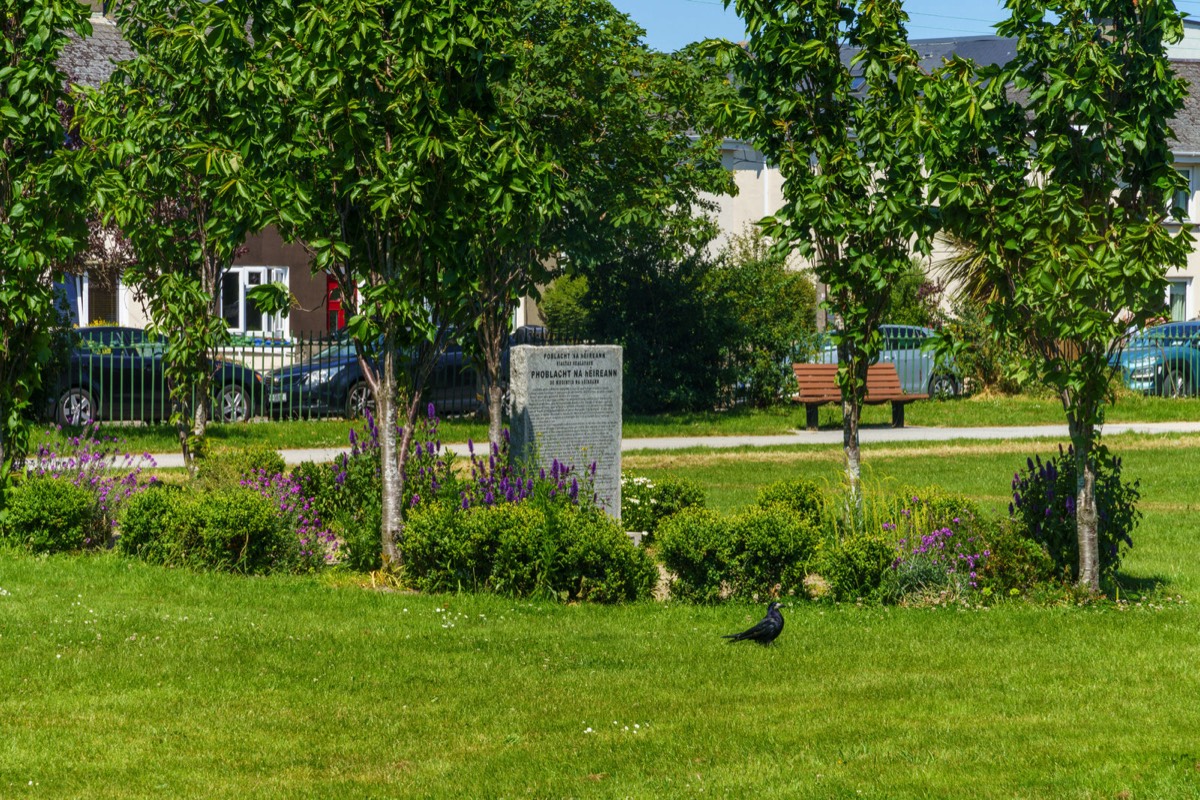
pixel 1141 584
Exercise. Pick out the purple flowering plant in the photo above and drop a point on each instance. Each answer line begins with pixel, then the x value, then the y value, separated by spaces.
pixel 95 461
pixel 499 478
pixel 1043 507
pixel 316 543
pixel 941 559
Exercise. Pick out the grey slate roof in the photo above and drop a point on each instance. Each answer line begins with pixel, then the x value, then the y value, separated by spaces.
pixel 90 61
pixel 980 49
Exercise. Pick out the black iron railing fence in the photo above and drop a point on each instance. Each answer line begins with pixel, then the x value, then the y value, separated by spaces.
pixel 116 374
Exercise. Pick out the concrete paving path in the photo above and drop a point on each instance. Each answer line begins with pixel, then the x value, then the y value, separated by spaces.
pixel 869 435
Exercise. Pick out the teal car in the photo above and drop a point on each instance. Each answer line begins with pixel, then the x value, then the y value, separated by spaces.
pixel 1163 360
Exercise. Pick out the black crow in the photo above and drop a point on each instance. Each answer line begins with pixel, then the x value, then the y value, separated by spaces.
pixel 765 631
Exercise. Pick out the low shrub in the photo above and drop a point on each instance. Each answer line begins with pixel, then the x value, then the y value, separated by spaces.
pixel 645 503
pixel 800 496
pixel 144 520
pixel 229 467
pixel 52 515
pixel 233 529
pixel 1043 509
pixel 697 547
pixel 855 568
pixel 1014 562
pixel 772 548
pixel 237 531
pixel 526 550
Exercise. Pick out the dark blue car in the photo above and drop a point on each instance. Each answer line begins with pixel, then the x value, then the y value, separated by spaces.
pixel 116 373
pixel 330 381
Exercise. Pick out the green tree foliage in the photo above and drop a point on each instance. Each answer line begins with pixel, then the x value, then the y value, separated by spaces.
pixel 42 201
pixel 399 158
pixel 771 316
pixel 564 307
pixel 850 155
pixel 622 125
pixel 656 304
pixel 173 137
pixel 1056 169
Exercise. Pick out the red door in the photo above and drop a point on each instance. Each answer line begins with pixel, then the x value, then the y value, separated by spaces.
pixel 334 313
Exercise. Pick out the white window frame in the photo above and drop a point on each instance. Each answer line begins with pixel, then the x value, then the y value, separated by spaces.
pixel 83 305
pixel 1189 172
pixel 274 325
pixel 1189 299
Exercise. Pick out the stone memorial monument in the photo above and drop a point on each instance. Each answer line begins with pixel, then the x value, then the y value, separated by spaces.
pixel 566 405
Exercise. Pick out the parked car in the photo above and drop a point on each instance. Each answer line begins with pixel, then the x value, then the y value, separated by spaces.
pixel 330 382
pixel 117 374
pixel 1163 360
pixel 907 346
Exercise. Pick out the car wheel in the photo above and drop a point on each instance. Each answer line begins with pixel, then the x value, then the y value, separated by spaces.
pixel 75 407
pixel 359 400
pixel 232 405
pixel 942 386
pixel 1175 384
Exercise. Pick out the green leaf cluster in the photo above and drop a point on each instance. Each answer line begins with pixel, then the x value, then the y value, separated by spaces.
pixel 41 199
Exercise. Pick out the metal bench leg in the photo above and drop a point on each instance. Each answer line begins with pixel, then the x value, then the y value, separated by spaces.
pixel 811 416
pixel 897 415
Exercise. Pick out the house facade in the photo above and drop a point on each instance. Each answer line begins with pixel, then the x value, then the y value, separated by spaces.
pixel 761 186
pixel 93 298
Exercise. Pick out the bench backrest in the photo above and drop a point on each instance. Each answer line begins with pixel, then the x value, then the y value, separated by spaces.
pixel 818 382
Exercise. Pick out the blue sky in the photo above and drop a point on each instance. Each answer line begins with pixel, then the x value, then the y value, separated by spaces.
pixel 670 24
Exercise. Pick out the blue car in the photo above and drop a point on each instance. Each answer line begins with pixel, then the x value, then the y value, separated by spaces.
pixel 1163 360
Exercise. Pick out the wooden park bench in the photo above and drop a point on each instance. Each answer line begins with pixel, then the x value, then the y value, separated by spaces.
pixel 818 386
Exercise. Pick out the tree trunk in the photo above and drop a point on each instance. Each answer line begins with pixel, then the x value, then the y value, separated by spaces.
pixel 4 466
pixel 200 404
pixel 851 412
pixel 850 417
pixel 495 401
pixel 392 477
pixel 1086 518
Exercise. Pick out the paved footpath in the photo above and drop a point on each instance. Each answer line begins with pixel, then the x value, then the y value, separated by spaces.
pixel 869 435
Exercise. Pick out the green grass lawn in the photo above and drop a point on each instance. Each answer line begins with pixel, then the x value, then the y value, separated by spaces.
pixel 970 412
pixel 122 680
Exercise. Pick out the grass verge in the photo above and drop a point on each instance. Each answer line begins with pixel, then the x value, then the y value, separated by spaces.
pixel 966 413
pixel 123 680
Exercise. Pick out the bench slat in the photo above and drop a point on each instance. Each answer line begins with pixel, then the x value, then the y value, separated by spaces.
pixel 817 385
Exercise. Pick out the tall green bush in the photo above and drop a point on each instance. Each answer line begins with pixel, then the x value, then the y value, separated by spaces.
pixel 564 307
pixel 771 313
